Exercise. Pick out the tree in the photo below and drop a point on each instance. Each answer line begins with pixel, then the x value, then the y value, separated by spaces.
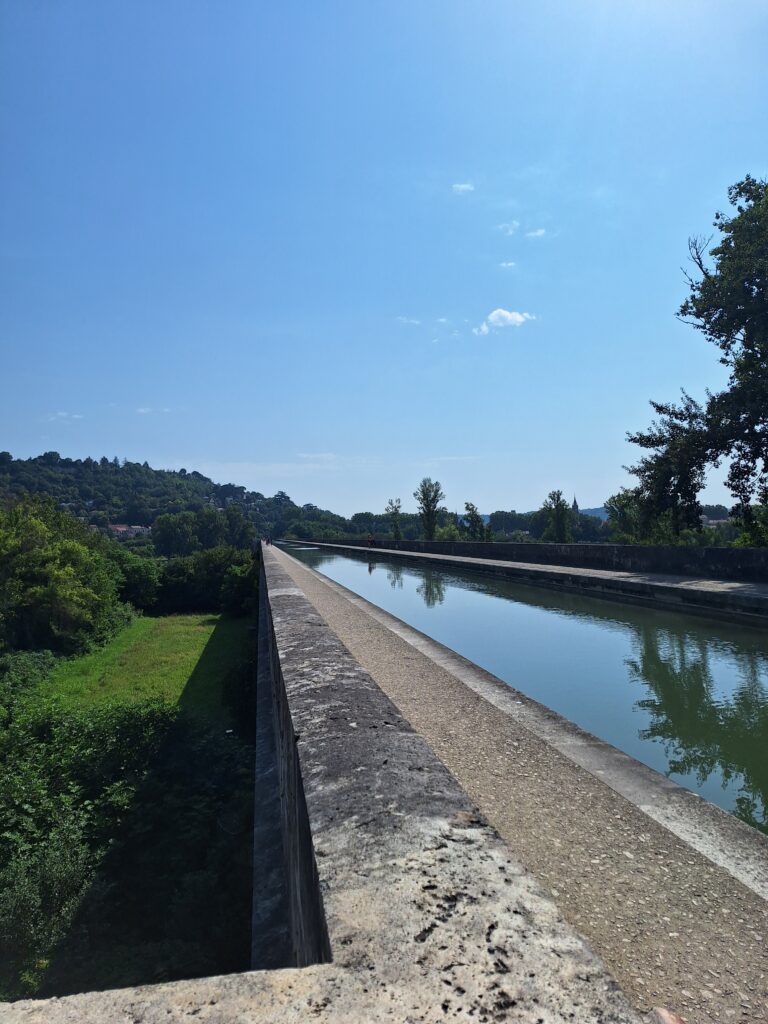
pixel 428 496
pixel 59 589
pixel 728 303
pixel 393 511
pixel 175 534
pixel 625 515
pixel 558 511
pixel 473 522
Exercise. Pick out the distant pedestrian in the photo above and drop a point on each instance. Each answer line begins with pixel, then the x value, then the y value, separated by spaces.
pixel 370 540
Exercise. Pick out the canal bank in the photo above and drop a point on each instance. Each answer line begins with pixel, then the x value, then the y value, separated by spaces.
pixel 674 926
pixel 729 599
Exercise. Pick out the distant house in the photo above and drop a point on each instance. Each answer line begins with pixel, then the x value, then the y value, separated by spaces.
pixel 122 531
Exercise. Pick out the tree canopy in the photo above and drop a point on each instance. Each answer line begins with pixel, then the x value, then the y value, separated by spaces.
pixel 728 303
pixel 429 495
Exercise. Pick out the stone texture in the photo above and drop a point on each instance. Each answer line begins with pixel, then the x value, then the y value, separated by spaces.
pixel 675 927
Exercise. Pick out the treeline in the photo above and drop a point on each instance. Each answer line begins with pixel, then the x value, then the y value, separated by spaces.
pixel 66 588
pixel 189 514
pixel 552 522
pixel 105 491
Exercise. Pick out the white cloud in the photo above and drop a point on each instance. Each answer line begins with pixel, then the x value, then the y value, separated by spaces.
pixel 143 410
pixel 65 417
pixel 443 320
pixel 536 233
pixel 509 228
pixel 462 187
pixel 508 264
pixel 408 320
pixel 500 318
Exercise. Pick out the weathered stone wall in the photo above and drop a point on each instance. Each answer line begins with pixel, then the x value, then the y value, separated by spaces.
pixel 715 563
pixel 306 919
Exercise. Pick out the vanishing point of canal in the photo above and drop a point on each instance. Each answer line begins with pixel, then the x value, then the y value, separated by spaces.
pixel 685 695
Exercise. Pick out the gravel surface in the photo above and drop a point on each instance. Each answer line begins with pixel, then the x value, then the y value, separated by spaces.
pixel 674 929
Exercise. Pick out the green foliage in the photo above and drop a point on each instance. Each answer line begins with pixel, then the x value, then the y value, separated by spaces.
pixel 120 491
pixel 558 513
pixel 140 578
pixel 59 588
pixel 183 533
pixel 200 582
pixel 728 303
pixel 449 532
pixel 429 495
pixel 393 510
pixel 626 520
pixel 124 824
pixel 474 526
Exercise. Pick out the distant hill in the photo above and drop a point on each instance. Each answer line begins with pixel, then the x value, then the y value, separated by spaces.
pixel 103 491
pixel 598 513
pixel 108 491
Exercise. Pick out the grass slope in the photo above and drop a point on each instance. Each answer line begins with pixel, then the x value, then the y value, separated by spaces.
pixel 182 659
pixel 126 812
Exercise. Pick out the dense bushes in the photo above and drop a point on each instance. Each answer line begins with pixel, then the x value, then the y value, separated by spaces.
pixel 222 578
pixel 123 828
pixel 65 587
pixel 185 532
pixel 59 589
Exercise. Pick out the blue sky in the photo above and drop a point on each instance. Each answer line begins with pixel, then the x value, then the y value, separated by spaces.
pixel 332 248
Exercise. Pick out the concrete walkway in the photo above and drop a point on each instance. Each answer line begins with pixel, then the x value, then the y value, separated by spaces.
pixel 675 928
pixel 739 601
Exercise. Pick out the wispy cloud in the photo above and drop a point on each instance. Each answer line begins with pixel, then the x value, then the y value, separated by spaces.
pixel 454 458
pixel 501 318
pixel 318 456
pixel 508 228
pixel 508 264
pixel 443 320
pixel 408 320
pixel 64 417
pixel 147 410
pixel 462 187
pixel 536 233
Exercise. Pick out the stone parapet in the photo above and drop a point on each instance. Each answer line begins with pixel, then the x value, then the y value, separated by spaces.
pixel 719 598
pixel 748 564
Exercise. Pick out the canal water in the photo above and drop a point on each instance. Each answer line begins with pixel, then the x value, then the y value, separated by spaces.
pixel 685 695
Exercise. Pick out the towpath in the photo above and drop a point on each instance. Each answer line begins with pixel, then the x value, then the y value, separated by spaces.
pixel 674 927
pixel 734 599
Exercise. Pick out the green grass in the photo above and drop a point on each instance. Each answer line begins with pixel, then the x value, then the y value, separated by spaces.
pixel 183 659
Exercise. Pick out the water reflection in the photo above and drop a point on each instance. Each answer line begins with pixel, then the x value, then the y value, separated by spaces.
pixel 395 576
pixel 702 714
pixel 431 588
pixel 705 734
